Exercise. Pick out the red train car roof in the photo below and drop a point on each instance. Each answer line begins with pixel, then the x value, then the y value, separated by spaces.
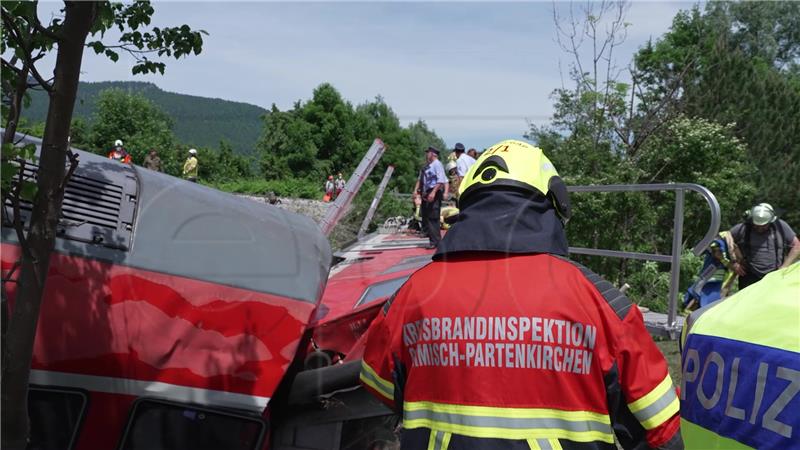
pixel 368 273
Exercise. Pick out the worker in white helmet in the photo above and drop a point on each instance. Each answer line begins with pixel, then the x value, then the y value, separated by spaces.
pixel 767 244
pixel 191 166
pixel 118 153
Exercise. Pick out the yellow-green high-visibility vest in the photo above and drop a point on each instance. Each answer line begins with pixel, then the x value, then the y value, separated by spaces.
pixel 741 368
pixel 190 167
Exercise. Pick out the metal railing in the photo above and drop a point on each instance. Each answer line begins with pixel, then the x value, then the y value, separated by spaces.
pixel 343 200
pixel 677 233
pixel 376 200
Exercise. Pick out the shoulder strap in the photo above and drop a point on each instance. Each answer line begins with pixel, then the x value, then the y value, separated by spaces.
pixel 746 241
pixel 777 228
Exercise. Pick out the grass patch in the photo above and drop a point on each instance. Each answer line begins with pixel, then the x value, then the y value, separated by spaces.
pixel 672 354
pixel 290 187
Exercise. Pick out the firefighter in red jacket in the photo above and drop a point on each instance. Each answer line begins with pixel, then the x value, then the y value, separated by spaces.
pixel 503 343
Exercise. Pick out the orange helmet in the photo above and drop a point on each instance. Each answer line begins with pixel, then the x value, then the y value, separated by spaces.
pixel 330 177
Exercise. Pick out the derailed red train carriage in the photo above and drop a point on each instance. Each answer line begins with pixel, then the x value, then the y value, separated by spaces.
pixel 177 316
pixel 324 406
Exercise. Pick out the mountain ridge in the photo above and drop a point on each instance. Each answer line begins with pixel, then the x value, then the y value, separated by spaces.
pixel 200 121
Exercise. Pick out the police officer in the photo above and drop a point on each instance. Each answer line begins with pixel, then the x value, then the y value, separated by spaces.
pixel 741 368
pixel 503 343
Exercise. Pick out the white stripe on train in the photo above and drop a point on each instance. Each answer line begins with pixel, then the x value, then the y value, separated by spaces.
pixel 141 388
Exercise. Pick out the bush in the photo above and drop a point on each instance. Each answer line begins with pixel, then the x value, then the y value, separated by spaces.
pixel 290 187
pixel 650 282
pixel 649 286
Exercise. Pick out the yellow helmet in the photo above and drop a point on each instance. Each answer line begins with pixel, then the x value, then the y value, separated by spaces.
pixel 518 165
pixel 447 211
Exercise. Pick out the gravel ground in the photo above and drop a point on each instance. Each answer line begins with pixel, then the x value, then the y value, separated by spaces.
pixel 344 232
pixel 312 208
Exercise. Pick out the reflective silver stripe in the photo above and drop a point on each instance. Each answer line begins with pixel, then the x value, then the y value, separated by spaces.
pixel 508 422
pixel 657 406
pixel 438 440
pixel 141 388
pixel 378 382
pixel 544 444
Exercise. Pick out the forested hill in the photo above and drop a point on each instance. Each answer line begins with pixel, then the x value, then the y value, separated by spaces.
pixel 200 121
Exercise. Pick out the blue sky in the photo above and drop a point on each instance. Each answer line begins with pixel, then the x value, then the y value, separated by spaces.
pixel 476 72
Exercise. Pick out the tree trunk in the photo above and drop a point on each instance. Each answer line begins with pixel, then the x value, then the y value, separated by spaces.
pixel 79 17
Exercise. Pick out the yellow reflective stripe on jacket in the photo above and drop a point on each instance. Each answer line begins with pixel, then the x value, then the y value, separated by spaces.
pixel 656 406
pixel 770 304
pixel 369 377
pixel 508 423
pixel 439 440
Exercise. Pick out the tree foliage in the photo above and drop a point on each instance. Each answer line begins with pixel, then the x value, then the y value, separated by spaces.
pixel 605 131
pixel 739 63
pixel 136 121
pixel 25 41
pixel 327 134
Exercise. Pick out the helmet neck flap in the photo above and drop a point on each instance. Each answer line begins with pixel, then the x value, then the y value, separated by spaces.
pixel 505 220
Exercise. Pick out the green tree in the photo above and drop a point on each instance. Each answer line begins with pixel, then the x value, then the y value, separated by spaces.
pixel 327 134
pixel 607 133
pixel 378 119
pixel 737 63
pixel 286 147
pixel 27 40
pixel 703 152
pixel 223 166
pixel 332 119
pixel 135 120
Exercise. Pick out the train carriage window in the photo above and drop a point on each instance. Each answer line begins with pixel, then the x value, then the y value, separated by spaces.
pixel 380 290
pixel 157 424
pixel 55 415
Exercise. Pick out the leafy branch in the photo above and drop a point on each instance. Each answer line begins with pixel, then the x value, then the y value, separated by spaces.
pixel 170 42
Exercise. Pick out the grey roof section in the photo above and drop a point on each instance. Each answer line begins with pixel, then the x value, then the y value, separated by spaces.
pixel 188 229
pixel 185 229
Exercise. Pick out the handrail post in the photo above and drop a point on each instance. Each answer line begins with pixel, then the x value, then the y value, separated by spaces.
pixel 675 270
pixel 376 200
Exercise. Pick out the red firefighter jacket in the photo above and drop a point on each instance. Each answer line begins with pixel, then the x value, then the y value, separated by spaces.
pixel 527 351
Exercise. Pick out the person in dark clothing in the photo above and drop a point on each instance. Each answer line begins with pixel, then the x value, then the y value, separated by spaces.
pixel 431 190
pixel 417 200
pixel 766 242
